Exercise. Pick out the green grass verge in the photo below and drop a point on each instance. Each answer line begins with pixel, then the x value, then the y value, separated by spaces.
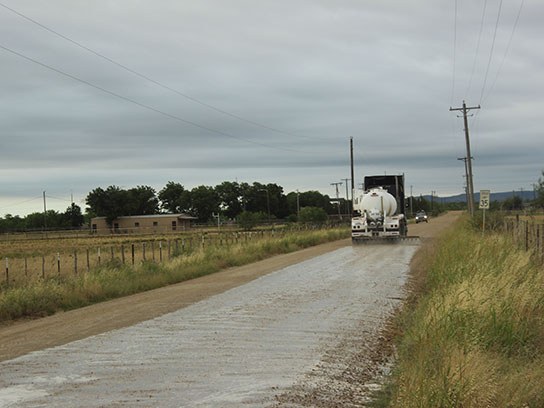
pixel 475 336
pixel 113 280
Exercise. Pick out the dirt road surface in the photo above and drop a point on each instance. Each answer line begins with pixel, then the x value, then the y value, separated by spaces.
pixel 267 334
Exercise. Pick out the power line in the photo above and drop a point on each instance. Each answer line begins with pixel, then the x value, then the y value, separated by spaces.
pixel 140 104
pixel 454 53
pixel 477 49
pixel 506 51
pixel 147 78
pixel 491 52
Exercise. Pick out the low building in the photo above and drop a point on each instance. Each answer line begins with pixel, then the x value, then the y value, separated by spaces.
pixel 142 224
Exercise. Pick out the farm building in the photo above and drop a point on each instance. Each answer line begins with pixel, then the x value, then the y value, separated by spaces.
pixel 159 223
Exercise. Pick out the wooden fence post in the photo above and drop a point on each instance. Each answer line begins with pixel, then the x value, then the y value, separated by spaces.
pixel 143 251
pixel 132 254
pixel 526 235
pixel 99 257
pixel 43 266
pixel 160 251
pixel 123 254
pixel 58 262
pixel 88 261
pixel 7 271
pixel 75 261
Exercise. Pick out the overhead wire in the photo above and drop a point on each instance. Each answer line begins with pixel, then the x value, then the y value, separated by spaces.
pixel 514 27
pixel 491 51
pixel 147 78
pixel 21 202
pixel 454 54
pixel 467 92
pixel 140 104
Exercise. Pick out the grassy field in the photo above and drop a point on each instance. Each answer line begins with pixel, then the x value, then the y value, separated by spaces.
pixel 473 335
pixel 113 279
pixel 31 259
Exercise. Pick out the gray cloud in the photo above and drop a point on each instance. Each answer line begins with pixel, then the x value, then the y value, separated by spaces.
pixel 320 72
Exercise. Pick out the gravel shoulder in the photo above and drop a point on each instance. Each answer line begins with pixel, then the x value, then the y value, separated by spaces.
pixel 23 337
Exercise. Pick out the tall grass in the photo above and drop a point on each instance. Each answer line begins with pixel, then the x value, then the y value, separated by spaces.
pixel 113 279
pixel 475 338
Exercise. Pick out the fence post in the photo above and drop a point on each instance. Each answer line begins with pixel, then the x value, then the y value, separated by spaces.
pixel 75 261
pixel 26 266
pixel 160 251
pixel 153 250
pixel 7 271
pixel 99 257
pixel 43 266
pixel 88 261
pixel 143 251
pixel 526 235
pixel 58 262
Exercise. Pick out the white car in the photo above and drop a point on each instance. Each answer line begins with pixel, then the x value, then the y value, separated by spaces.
pixel 421 217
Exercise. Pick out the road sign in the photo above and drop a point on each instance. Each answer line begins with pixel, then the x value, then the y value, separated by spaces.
pixel 484 199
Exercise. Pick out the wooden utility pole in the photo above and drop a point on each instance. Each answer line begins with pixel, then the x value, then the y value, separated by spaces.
pixel 352 177
pixel 337 197
pixel 470 185
pixel 347 196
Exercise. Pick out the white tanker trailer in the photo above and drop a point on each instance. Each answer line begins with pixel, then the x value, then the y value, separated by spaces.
pixel 378 210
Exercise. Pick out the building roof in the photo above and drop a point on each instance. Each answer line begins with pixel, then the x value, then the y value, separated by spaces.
pixel 179 216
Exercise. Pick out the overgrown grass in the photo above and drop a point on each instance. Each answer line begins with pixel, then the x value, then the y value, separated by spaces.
pixel 114 279
pixel 475 337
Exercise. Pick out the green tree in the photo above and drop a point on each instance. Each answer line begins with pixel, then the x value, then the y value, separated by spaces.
pixel 110 203
pixel 12 223
pixel 264 198
pixel 539 189
pixel 249 220
pixel 313 214
pixel 230 198
pixel 73 217
pixel 174 198
pixel 141 200
pixel 204 202
pixel 310 198
pixel 513 203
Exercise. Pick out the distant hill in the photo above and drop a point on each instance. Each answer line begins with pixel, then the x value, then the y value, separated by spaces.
pixel 461 198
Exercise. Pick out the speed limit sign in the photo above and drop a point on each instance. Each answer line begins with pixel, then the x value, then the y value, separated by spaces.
pixel 484 199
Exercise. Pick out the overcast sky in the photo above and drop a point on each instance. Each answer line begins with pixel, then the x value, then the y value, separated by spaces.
pixel 201 92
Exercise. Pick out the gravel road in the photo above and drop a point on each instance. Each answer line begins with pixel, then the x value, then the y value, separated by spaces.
pixel 261 335
pixel 242 347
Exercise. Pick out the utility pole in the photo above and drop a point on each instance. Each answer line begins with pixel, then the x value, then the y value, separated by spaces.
pixel 298 205
pixel 464 159
pixel 347 196
pixel 466 178
pixel 411 202
pixel 470 184
pixel 352 176
pixel 44 213
pixel 337 197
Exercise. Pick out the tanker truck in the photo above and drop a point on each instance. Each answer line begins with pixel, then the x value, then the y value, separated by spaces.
pixel 379 210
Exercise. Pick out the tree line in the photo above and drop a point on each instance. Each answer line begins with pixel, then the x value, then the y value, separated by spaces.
pixel 229 200
pixel 244 202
